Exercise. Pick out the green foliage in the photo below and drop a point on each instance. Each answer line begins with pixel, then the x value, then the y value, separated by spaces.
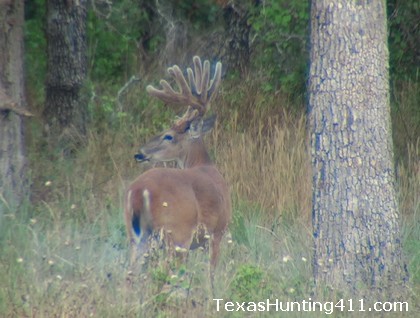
pixel 240 224
pixel 412 247
pixel 248 283
pixel 35 45
pixel 114 34
pixel 404 35
pixel 200 13
pixel 124 34
pixel 281 29
pixel 160 275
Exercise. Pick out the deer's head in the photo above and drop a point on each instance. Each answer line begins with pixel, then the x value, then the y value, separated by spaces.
pixel 176 143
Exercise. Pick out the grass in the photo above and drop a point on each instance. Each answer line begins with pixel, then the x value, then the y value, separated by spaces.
pixel 63 268
pixel 64 254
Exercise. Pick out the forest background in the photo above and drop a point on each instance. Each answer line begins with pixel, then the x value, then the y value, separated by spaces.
pixel 65 252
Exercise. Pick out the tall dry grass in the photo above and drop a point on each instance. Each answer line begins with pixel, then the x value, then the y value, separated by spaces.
pixel 268 166
pixel 409 181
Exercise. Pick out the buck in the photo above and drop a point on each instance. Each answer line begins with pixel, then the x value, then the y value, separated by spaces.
pixel 188 204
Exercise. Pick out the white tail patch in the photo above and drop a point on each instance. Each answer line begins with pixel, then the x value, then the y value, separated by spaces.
pixel 146 213
pixel 129 205
pixel 146 201
pixel 130 210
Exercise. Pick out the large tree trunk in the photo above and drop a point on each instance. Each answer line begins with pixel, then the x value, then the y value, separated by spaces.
pixel 355 213
pixel 13 179
pixel 65 107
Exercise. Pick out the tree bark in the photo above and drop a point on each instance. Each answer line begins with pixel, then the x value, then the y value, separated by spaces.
pixel 235 49
pixel 65 106
pixel 355 213
pixel 13 168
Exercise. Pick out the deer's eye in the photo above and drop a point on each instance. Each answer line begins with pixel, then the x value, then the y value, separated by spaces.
pixel 168 137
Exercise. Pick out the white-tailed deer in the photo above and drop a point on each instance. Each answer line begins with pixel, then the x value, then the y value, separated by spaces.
pixel 181 202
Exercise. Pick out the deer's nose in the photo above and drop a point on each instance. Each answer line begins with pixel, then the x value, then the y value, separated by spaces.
pixel 140 157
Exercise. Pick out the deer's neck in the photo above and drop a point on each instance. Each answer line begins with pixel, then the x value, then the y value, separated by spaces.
pixel 197 155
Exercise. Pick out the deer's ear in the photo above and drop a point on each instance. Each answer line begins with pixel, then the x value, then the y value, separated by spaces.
pixel 195 128
pixel 208 124
pixel 200 127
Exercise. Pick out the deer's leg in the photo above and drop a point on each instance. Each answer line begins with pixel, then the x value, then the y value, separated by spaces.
pixel 128 215
pixel 214 255
pixel 133 252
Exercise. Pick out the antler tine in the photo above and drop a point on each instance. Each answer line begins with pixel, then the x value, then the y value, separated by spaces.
pixel 198 70
pixel 200 82
pixel 214 83
pixel 205 82
pixel 176 73
pixel 168 94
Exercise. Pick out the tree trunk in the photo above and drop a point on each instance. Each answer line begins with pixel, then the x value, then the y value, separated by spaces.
pixel 355 212
pixel 235 48
pixel 13 179
pixel 65 106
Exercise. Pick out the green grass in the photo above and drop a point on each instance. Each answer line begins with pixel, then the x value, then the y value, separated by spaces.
pixel 64 268
pixel 67 268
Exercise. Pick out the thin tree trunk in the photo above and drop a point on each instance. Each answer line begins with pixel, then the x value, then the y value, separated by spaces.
pixel 65 106
pixel 236 50
pixel 13 179
pixel 355 214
